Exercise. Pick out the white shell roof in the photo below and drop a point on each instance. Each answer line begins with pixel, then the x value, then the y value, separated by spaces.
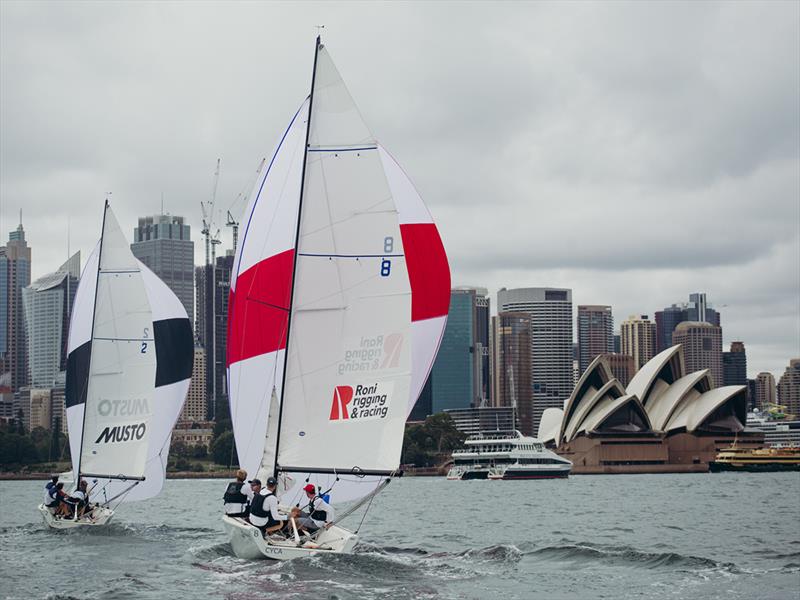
pixel 550 424
pixel 662 408
pixel 605 409
pixel 596 375
pixel 613 389
pixel 642 382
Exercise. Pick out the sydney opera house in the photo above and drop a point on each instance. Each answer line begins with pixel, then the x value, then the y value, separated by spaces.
pixel 665 421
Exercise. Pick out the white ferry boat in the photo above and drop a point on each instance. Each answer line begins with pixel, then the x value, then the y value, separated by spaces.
pixel 506 456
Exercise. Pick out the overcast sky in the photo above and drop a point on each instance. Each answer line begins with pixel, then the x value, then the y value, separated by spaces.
pixel 634 152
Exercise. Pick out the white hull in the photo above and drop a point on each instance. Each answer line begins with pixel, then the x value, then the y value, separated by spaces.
pixel 100 515
pixel 247 542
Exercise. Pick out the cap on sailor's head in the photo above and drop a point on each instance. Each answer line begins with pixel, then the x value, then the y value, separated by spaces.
pixel 272 481
pixel 254 482
pixel 310 488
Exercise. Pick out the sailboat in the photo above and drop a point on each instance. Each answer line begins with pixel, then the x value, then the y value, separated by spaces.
pixel 339 298
pixel 129 364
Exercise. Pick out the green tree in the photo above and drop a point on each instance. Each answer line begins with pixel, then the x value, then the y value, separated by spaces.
pixel 223 449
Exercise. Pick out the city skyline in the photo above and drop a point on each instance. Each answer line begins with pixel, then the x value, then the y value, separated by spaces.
pixel 577 131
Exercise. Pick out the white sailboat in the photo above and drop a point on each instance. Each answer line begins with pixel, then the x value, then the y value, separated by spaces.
pixel 130 354
pixel 339 298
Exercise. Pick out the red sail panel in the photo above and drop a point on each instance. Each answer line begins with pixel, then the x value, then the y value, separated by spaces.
pixel 428 270
pixel 258 310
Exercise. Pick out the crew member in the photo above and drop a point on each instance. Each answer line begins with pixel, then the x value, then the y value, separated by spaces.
pixel 264 507
pixel 79 500
pixel 318 513
pixel 52 499
pixel 237 496
pixel 48 497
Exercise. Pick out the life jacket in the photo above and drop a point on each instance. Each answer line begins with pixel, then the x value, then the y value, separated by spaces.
pixel 233 494
pixel 257 506
pixel 53 494
pixel 315 513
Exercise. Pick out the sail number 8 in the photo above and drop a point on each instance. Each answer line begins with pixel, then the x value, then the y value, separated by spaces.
pixel 386 264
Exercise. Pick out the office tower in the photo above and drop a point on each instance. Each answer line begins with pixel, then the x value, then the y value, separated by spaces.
pixel 622 367
pixel 196 406
pixel 424 406
pixel 638 339
pixel 734 367
pixel 58 403
pixel 460 375
pixel 215 328
pixel 697 309
pixel 617 343
pixel 702 347
pixel 550 311
pixel 163 243
pixel 595 333
pixel 766 392
pixel 15 274
pixel 35 406
pixel 512 367
pixel 789 387
pixel 47 304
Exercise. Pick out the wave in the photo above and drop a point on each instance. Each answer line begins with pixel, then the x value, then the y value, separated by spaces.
pixel 627 556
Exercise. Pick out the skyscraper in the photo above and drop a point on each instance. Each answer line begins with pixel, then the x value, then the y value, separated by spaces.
pixel 702 347
pixel 638 339
pixel 215 328
pixel 512 367
pixel 163 243
pixel 195 408
pixel 697 309
pixel 550 312
pixel 15 274
pixel 47 303
pixel 734 367
pixel 595 333
pixel 789 387
pixel 766 391
pixel 622 367
pixel 460 375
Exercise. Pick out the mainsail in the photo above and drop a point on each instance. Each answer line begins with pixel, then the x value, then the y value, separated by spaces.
pixel 128 370
pixel 341 266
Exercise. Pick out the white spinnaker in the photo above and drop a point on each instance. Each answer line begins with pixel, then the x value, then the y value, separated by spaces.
pixel 269 231
pixel 350 337
pixel 119 399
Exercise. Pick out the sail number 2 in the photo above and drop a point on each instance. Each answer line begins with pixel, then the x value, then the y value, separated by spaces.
pixel 145 334
pixel 388 248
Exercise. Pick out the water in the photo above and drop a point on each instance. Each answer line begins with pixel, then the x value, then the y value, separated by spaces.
pixel 727 535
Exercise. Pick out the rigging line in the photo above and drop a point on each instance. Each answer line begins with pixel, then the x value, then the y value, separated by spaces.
pixel 366 211
pixel 257 301
pixel 356 256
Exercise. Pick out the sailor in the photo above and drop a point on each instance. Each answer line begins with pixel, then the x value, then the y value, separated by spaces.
pixel 264 507
pixel 48 497
pixel 79 499
pixel 237 496
pixel 52 498
pixel 318 513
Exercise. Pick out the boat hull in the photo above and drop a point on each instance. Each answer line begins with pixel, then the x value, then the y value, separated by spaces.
pixel 541 474
pixel 247 542
pixel 718 467
pixel 101 515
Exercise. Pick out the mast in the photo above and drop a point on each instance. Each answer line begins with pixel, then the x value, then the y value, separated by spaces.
pixel 294 258
pixel 91 339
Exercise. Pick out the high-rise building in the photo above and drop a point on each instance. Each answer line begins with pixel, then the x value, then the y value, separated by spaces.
pixel 595 333
pixel 196 406
pixel 638 339
pixel 208 328
pixel 58 403
pixel 766 392
pixel 460 375
pixel 734 367
pixel 15 274
pixel 622 367
pixel 511 369
pixel 163 243
pixel 36 408
pixel 47 304
pixel 551 374
pixel 789 387
pixel 697 309
pixel 702 347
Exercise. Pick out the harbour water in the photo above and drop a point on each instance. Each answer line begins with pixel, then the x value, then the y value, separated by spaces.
pixel 728 535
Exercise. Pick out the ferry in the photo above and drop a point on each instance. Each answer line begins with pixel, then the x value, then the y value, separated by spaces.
pixel 506 456
pixel 759 460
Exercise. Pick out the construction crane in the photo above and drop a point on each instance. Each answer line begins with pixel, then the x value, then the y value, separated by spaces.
pixel 235 226
pixel 208 217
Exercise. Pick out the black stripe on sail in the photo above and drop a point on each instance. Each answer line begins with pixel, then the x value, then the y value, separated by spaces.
pixel 174 350
pixel 78 374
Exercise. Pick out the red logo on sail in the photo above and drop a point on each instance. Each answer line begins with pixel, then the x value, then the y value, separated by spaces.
pixel 342 396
